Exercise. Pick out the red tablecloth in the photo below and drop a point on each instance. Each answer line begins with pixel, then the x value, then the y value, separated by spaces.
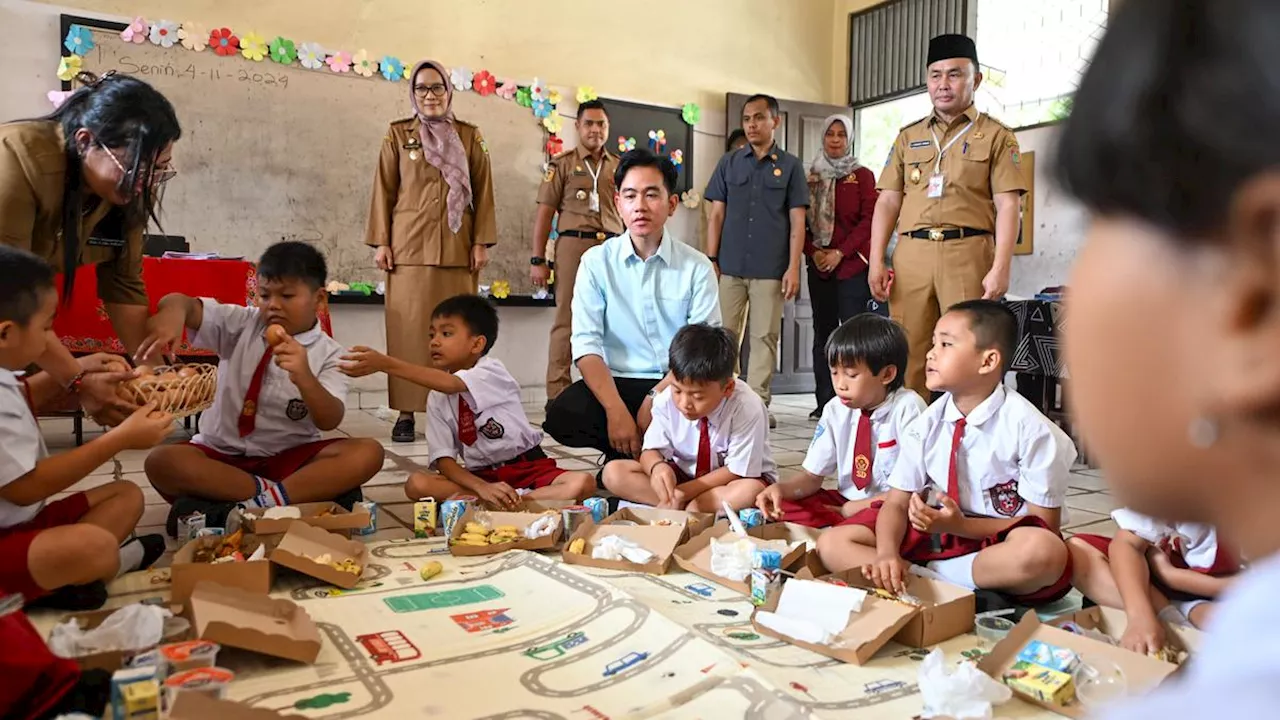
pixel 84 326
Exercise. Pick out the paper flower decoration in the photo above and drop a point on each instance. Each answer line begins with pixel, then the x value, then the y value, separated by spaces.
pixel 79 40
pixel 524 97
pixel 57 97
pixel 253 47
pixel 164 33
pixel 461 78
pixel 408 70
pixel 193 36
pixel 136 33
pixel 541 108
pixel 339 61
pixel 625 144
pixel 586 93
pixel 554 145
pixel 70 66
pixel 484 83
pixel 500 289
pixel 507 89
pixel 692 199
pixel 677 157
pixel 554 97
pixel 391 68
pixel 691 113
pixel 311 56
pixel 657 140
pixel 283 51
pixel 223 42
pixel 363 66
pixel 537 90
pixel 553 122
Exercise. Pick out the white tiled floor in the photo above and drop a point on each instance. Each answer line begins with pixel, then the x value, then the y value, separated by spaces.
pixel 1089 502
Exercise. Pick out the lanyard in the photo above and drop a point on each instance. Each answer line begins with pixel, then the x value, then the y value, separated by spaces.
pixel 937 164
pixel 595 176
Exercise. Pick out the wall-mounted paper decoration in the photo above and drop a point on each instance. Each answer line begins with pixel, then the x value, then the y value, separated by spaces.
pixel 362 65
pixel 79 40
pixel 164 33
pixel 136 32
pixel 339 61
pixel 507 89
pixel 283 51
pixel 585 93
pixel 253 47
pixel 391 68
pixel 625 144
pixel 311 56
pixel 193 36
pixel 69 66
pixel 691 113
pixel 537 90
pixel 224 42
pixel 553 123
pixel 484 83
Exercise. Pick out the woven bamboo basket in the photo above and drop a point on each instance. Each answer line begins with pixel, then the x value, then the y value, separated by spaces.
pixel 181 390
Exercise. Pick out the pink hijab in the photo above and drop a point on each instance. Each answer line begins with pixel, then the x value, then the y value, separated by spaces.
pixel 442 147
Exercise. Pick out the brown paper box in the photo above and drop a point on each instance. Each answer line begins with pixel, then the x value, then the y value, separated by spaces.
pixel 866 632
pixel 947 612
pixel 693 522
pixel 1142 673
pixel 249 621
pixel 537 506
pixel 658 539
pixel 340 520
pixel 494 518
pixel 1112 623
pixel 303 542
pixel 112 660
pixel 198 706
pixel 254 576
pixel 695 555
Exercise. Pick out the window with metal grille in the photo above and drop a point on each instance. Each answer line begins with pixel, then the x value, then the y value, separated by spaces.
pixel 888 45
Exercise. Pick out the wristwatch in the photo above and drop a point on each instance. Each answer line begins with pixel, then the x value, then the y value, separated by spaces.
pixel 537 261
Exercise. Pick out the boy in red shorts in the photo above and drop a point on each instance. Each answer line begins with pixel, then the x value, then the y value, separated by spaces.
pixel 474 416
pixel 260 445
pixel 1000 466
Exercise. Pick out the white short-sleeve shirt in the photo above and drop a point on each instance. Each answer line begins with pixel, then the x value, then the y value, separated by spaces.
pixel 1010 455
pixel 738 429
pixel 283 420
pixel 835 437
pixel 503 432
pixel 1197 543
pixel 22 448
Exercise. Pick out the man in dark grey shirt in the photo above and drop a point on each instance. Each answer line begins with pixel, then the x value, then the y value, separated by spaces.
pixel 755 236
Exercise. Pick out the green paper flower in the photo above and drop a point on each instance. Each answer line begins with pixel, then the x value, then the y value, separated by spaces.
pixel 283 51
pixel 691 113
pixel 524 97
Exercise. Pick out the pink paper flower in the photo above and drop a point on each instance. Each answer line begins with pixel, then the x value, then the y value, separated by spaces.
pixel 507 89
pixel 339 62
pixel 136 33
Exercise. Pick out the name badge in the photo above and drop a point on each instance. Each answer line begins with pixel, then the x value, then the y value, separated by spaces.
pixel 935 185
pixel 920 144
pixel 105 242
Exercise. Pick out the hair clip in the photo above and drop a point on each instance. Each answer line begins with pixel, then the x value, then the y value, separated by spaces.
pixel 90 80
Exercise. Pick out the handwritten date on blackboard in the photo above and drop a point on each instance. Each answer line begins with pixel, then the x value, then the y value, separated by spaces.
pixel 189 71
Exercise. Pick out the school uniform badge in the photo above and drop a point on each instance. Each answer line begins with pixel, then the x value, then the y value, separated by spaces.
pixel 1005 498
pixel 296 410
pixel 492 429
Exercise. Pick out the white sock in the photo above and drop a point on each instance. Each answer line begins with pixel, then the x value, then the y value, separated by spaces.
pixel 270 494
pixel 130 556
pixel 957 571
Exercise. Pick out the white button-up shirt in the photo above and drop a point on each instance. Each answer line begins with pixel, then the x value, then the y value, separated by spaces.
pixel 738 429
pixel 1197 543
pixel 1011 455
pixel 283 421
pixel 22 447
pixel 831 450
pixel 503 431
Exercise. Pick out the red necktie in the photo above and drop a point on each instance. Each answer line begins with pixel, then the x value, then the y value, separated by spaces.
pixel 249 410
pixel 862 452
pixel 466 423
pixel 953 474
pixel 704 448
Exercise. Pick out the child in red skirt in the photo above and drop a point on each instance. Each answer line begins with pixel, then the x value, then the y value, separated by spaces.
pixel 1148 565
pixel 1000 465
pixel 474 416
pixel 857 438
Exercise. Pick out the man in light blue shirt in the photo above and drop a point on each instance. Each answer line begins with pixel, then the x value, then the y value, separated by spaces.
pixel 631 296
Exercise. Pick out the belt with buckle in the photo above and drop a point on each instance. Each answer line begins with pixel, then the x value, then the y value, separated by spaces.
pixel 938 234
pixel 586 234
pixel 536 453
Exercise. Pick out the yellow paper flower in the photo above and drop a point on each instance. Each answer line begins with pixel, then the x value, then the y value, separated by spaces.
pixel 253 46
pixel 69 67
pixel 193 36
pixel 501 289
pixel 408 71
pixel 554 97
pixel 552 123
pixel 362 64
pixel 586 93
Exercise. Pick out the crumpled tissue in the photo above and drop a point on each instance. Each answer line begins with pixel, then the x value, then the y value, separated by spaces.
pixel 966 692
pixel 613 547
pixel 542 527
pixel 132 627
pixel 732 560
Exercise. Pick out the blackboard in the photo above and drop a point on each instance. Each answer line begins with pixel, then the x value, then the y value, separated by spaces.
pixel 635 120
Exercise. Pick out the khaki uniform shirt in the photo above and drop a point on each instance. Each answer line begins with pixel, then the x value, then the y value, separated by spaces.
pixel 567 188
pixel 981 163
pixel 33 173
pixel 410 212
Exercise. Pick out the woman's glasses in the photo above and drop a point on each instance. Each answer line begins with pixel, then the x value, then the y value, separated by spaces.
pixel 159 175
pixel 437 89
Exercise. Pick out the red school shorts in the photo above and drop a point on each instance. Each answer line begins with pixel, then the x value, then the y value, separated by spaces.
pixel 15 543
pixel 919 548
pixel 819 510
pixel 275 467
pixel 1103 544
pixel 523 474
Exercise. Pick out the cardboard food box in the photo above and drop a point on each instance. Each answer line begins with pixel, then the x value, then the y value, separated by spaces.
pixel 303 543
pixel 948 610
pixel 198 706
pixel 112 660
pixel 537 506
pixel 1141 673
pixel 254 576
pixel 695 555
pixel 1112 623
pixel 494 519
pixel 866 632
pixel 661 540
pixel 692 522
pixel 254 622
pixel 328 515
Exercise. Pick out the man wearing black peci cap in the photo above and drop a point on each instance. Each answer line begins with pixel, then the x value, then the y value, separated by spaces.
pixel 951 187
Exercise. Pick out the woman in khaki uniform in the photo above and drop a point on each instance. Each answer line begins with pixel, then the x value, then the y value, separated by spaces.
pixel 432 221
pixel 78 187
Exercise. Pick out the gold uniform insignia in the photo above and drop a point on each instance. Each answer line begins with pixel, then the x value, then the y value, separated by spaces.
pixel 777 172
pixel 550 173
pixel 915 175
pixel 978 135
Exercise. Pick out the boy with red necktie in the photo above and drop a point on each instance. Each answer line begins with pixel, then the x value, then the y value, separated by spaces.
pixel 260 444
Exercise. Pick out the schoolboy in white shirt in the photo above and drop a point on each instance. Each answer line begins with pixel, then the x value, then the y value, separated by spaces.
pixel 1000 468
pixel 708 441
pixel 481 441
pixel 260 444
pixel 857 437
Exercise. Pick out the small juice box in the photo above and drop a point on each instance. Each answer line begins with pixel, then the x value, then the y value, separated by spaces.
pixel 1053 657
pixel 424 518
pixel 1044 684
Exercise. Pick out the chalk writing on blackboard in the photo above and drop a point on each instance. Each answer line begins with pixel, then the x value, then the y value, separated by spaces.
pixel 189 71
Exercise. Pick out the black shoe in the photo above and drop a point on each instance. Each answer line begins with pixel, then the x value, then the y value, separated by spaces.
pixel 215 513
pixel 403 432
pixel 88 696
pixel 816 415
pixel 74 598
pixel 349 498
pixel 152 548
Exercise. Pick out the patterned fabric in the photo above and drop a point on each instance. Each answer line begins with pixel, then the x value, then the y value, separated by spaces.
pixel 1040 323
